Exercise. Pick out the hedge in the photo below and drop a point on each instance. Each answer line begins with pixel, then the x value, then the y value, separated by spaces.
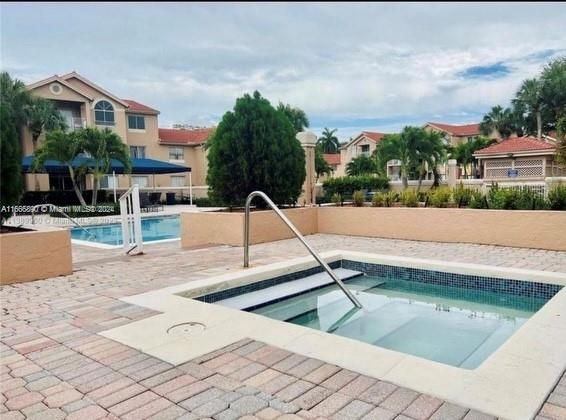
pixel 346 185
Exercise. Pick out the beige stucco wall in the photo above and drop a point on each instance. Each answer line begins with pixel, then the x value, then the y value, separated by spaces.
pixel 27 256
pixel 228 228
pixel 526 229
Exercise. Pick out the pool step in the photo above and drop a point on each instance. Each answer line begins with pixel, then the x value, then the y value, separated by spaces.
pixel 287 289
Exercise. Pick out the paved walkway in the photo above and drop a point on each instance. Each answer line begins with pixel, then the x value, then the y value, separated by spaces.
pixel 54 365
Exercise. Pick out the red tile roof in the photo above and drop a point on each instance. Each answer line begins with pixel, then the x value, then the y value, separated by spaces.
pixel 458 130
pixel 372 135
pixel 516 145
pixel 181 136
pixel 137 107
pixel 332 158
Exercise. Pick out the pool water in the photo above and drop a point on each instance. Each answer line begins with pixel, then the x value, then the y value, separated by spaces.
pixel 451 325
pixel 153 229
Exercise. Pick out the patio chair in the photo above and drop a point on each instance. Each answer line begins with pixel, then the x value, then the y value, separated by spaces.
pixel 145 204
pixel 155 200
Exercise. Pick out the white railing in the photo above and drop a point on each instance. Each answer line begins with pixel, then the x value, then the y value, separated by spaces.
pixel 131 220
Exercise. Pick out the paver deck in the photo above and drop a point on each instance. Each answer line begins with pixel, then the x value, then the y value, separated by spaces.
pixel 53 364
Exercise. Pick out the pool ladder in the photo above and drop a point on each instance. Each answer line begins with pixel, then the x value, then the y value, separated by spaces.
pixel 300 237
pixel 54 207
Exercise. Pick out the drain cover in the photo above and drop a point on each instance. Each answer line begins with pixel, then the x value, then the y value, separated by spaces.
pixel 186 329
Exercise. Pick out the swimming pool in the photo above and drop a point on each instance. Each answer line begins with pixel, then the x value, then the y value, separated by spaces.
pixel 452 319
pixel 153 229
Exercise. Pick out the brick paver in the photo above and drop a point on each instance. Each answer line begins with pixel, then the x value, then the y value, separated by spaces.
pixel 53 364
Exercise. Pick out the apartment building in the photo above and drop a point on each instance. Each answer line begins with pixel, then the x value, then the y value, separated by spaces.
pixel 85 104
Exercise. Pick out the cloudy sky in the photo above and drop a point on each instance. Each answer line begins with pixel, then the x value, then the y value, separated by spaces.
pixel 349 66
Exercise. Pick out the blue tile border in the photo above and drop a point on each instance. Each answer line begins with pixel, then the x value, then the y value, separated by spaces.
pixel 465 281
pixel 418 275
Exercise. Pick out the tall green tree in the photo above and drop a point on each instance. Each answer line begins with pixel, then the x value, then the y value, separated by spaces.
pixel 14 99
pixel 63 147
pixel 328 142
pixel 529 101
pixel 553 79
pixel 361 165
pixel 296 116
pixel 103 146
pixel 500 119
pixel 254 148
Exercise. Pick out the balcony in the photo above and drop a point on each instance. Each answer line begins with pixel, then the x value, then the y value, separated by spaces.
pixel 76 123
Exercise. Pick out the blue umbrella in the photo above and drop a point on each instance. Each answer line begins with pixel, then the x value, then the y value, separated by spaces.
pixel 139 166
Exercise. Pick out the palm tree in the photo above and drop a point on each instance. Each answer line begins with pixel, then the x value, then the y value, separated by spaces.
pixel 321 165
pixel 13 99
pixel 430 153
pixel 63 147
pixel 499 119
pixel 103 146
pixel 361 165
pixel 529 97
pixel 464 152
pixel 328 142
pixel 41 115
pixel 404 147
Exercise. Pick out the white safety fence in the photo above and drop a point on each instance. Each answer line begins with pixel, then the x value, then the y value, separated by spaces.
pixel 130 214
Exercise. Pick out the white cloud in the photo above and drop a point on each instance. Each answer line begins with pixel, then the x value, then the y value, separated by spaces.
pixel 336 61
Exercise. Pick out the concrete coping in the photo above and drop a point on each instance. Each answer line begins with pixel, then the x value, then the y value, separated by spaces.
pixel 511 383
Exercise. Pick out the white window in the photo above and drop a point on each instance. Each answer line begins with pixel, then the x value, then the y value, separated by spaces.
pixel 176 153
pixel 137 152
pixel 107 181
pixel 177 180
pixel 365 149
pixel 140 180
pixel 104 113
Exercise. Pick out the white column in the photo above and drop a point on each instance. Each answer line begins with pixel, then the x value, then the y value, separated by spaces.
pixel 308 141
pixel 452 173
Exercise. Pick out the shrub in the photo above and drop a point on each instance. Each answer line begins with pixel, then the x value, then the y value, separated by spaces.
pixel 440 197
pixel 390 198
pixel 462 196
pixel 557 197
pixel 410 198
pixel 254 148
pixel 358 198
pixel 378 200
pixel 528 199
pixel 336 199
pixel 515 199
pixel 477 200
pixel 346 185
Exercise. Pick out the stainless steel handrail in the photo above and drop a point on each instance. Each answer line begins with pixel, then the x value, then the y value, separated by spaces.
pixel 279 213
pixel 53 206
